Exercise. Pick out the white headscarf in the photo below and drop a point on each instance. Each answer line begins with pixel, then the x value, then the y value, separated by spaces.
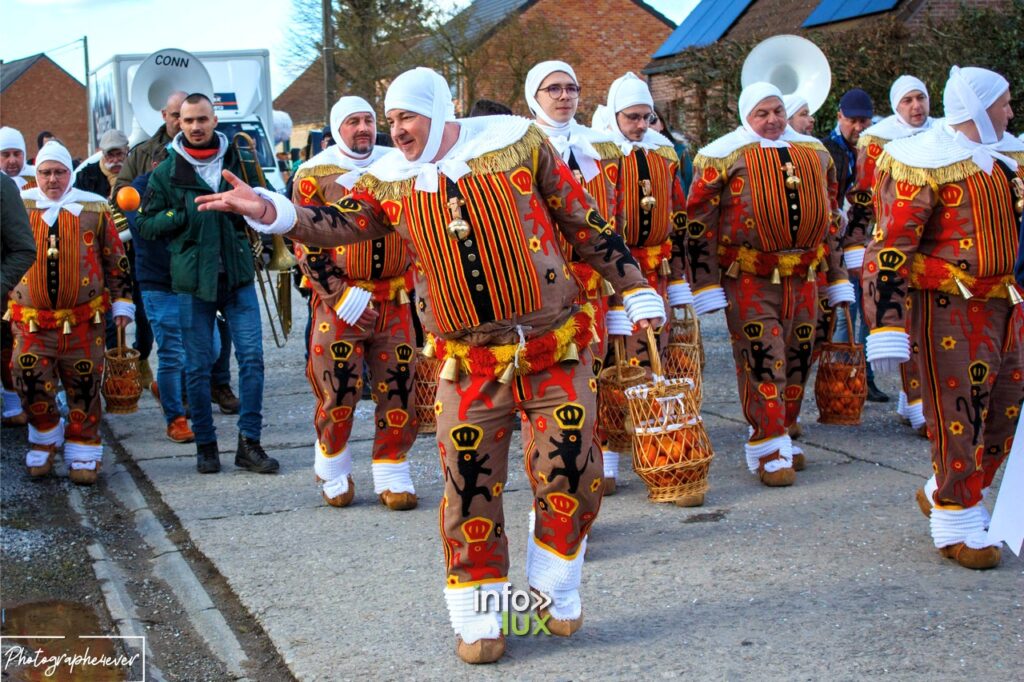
pixel 969 93
pixel 568 138
pixel 793 103
pixel 70 200
pixel 423 91
pixel 342 109
pixel 627 91
pixel 900 87
pixel 11 138
pixel 752 95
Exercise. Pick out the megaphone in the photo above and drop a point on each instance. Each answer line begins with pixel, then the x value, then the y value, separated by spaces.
pixel 793 65
pixel 162 73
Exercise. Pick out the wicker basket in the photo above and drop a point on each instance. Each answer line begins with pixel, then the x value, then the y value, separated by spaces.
pixel 683 357
pixel 611 399
pixel 425 392
pixel 121 387
pixel 671 449
pixel 842 382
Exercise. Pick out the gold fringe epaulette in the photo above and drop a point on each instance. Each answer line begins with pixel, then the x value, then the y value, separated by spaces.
pixel 320 171
pixel 668 153
pixel 723 164
pixel 866 140
pixel 497 161
pixel 933 177
pixel 91 206
pixel 607 150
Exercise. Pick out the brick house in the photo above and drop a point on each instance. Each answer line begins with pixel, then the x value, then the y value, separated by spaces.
pixel 36 95
pixel 747 22
pixel 501 39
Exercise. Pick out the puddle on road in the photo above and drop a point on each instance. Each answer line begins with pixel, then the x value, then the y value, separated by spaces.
pixel 51 641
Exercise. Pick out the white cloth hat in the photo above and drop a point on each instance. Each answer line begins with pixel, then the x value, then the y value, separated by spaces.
pixel 535 77
pixel 342 109
pixel 55 151
pixel 425 92
pixel 793 104
pixel 11 138
pixel 969 93
pixel 752 95
pixel 903 85
pixel 627 91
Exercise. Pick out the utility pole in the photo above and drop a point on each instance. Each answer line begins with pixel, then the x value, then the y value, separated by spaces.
pixel 328 57
pixel 88 95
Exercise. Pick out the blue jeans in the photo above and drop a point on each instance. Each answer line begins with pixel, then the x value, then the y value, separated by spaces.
pixel 857 319
pixel 165 319
pixel 220 375
pixel 241 309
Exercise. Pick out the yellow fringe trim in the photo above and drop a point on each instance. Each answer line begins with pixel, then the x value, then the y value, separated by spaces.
pixel 723 164
pixel 320 171
pixel 787 262
pixel 668 153
pixel 91 206
pixel 499 161
pixel 866 140
pixel 395 284
pixel 608 150
pixel 953 274
pixel 933 177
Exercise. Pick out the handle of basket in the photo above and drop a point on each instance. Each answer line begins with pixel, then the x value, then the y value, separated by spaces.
pixel 652 351
pixel 120 340
pixel 849 322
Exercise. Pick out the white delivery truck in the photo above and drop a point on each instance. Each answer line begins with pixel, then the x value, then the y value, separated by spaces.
pixel 128 91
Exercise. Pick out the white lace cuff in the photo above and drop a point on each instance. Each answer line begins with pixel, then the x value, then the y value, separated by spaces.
pixel 840 292
pixel 617 322
pixel 887 350
pixel 125 236
pixel 352 304
pixel 123 309
pixel 679 293
pixel 645 304
pixel 709 300
pixel 286 215
pixel 853 257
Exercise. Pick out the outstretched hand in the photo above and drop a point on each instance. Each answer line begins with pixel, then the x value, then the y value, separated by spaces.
pixel 241 199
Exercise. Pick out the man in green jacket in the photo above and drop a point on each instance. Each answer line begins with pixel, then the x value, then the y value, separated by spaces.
pixel 212 269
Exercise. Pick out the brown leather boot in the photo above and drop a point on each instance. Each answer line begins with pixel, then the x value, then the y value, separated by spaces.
pixel 46 467
pixel 84 476
pixel 560 628
pixel 343 500
pixel 609 486
pixel 977 559
pixel 399 501
pixel 775 479
pixel 795 430
pixel 694 500
pixel 480 651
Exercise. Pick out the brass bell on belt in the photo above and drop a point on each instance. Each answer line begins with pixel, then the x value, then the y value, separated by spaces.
pixel 1013 294
pixel 964 291
pixel 450 370
pixel 67 326
pixel 97 317
pixel 8 315
pixel 571 354
pixel 53 252
pixel 734 269
pixel 811 275
pixel 666 267
pixel 1018 189
pixel 792 180
pixel 403 297
pixel 32 327
pixel 606 288
pixel 776 276
pixel 458 227
pixel 428 350
pixel 647 203
pixel 508 375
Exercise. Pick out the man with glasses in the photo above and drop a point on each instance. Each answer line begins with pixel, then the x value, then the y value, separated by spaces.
pixel 651 220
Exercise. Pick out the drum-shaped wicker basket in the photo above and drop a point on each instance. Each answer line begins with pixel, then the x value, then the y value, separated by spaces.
pixel 671 449
pixel 425 392
pixel 841 386
pixel 683 357
pixel 612 412
pixel 121 387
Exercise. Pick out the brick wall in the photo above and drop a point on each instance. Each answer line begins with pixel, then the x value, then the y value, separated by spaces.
pixel 46 97
pixel 304 98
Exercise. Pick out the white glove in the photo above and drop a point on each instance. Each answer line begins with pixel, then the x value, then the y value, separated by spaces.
pixel 887 350
pixel 679 293
pixel 125 236
pixel 840 292
pixel 352 304
pixel 123 309
pixel 709 300
pixel 617 322
pixel 285 213
pixel 645 304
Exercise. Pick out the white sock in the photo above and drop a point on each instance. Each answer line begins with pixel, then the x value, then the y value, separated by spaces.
pixel 915 413
pixel 82 456
pixel 755 451
pixel 12 404
pixel 950 526
pixel 333 471
pixel 55 436
pixel 611 464
pixel 467 622
pixel 556 577
pixel 393 476
pixel 901 405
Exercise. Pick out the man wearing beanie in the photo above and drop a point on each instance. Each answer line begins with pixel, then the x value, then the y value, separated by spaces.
pixel 908 97
pixel 762 222
pixel 652 222
pixel 950 201
pixel 12 158
pixel 56 312
pixel 479 201
pixel 360 316
pixel 100 175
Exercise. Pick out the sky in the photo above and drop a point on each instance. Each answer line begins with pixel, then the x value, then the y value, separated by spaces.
pixel 28 27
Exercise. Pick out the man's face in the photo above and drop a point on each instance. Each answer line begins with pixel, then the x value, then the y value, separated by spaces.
pixel 913 108
pixel 46 138
pixel 198 122
pixel 53 178
pixel 1000 113
pixel 802 121
pixel 172 114
pixel 768 118
pixel 558 95
pixel 409 132
pixel 358 132
pixel 12 161
pixel 113 159
pixel 852 126
pixel 634 121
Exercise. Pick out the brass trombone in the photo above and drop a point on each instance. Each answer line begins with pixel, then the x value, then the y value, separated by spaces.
pixel 281 259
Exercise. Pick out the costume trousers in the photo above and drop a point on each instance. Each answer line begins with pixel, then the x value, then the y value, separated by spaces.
pixel 972 380
pixel 48 358
pixel 338 352
pixel 772 327
pixel 474 426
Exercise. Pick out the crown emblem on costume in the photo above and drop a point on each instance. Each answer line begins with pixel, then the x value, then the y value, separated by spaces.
pixel 804 332
pixel 861 198
pixel 696 229
pixel 397 418
pixel 570 416
pixel 477 529
pixel 467 437
pixel 891 259
pixel 978 372
pixel 595 220
pixel 563 504
pixel 28 360
pixel 341 350
pixel 83 366
pixel 404 352
pixel 753 330
pixel 347 205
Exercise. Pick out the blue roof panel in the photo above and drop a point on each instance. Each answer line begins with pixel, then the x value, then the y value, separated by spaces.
pixel 829 11
pixel 705 24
